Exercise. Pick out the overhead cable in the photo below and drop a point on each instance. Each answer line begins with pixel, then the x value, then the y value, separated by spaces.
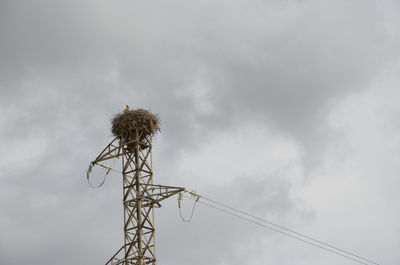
pixel 289 230
pixel 180 196
pixel 89 170
pixel 350 256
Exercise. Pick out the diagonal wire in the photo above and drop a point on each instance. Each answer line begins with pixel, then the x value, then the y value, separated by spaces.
pixel 289 230
pixel 284 233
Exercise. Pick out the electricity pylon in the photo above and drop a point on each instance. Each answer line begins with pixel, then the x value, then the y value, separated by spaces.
pixel 140 197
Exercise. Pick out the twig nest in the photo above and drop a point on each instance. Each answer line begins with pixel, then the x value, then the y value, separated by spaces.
pixel 126 123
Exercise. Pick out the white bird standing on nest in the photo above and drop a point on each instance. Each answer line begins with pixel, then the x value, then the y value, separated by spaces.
pixel 126 110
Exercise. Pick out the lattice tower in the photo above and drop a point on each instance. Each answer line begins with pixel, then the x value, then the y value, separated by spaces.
pixel 140 197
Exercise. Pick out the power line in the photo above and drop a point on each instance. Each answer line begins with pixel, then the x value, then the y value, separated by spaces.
pixel 180 195
pixel 281 232
pixel 89 170
pixel 285 233
pixel 289 230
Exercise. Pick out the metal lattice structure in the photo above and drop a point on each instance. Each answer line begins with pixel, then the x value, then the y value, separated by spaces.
pixel 140 197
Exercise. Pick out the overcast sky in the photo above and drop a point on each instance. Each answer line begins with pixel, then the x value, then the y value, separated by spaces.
pixel 288 110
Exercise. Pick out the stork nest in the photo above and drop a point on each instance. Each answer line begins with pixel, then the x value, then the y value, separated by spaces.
pixel 127 123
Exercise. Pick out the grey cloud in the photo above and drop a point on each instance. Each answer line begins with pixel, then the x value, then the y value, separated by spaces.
pixel 67 66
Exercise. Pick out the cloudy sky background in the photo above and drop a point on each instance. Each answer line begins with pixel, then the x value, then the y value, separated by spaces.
pixel 286 109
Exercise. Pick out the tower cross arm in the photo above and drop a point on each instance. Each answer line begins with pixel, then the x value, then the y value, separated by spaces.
pixel 162 192
pixel 112 150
